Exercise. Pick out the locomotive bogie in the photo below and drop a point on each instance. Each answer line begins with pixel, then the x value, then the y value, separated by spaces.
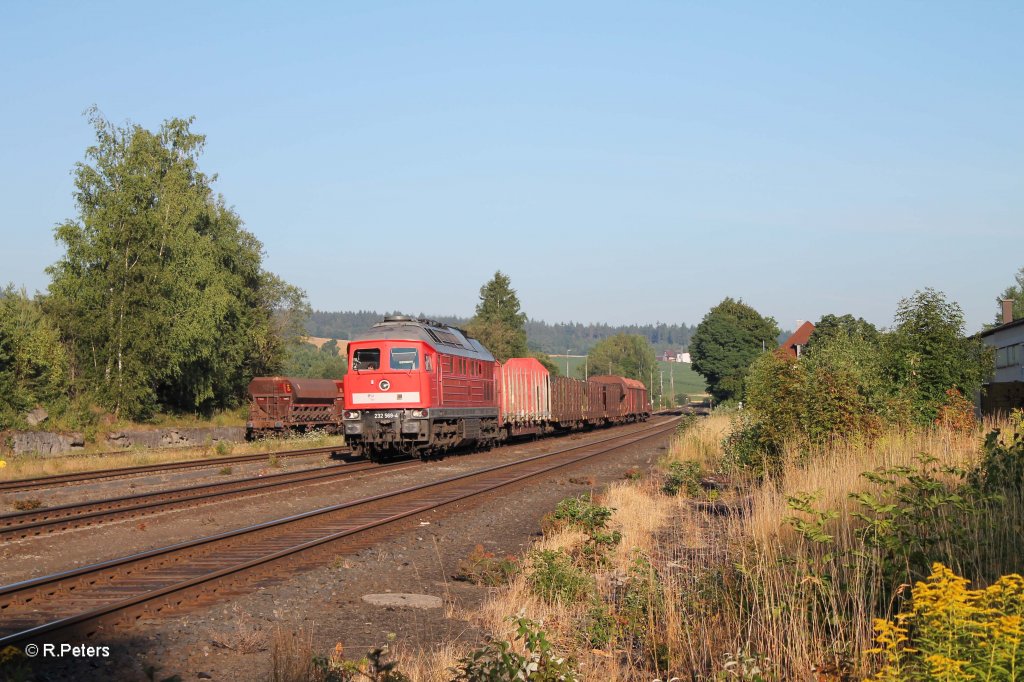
pixel 420 432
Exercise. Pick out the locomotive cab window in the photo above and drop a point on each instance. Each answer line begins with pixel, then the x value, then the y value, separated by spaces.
pixel 366 358
pixel 405 359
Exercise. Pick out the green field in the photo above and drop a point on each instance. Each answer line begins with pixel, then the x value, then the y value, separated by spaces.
pixel 687 382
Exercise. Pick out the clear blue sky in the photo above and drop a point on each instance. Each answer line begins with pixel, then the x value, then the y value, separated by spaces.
pixel 622 162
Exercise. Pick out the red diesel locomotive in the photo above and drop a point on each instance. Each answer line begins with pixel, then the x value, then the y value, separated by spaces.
pixel 422 388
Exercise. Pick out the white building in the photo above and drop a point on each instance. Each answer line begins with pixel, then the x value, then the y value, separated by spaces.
pixel 1006 389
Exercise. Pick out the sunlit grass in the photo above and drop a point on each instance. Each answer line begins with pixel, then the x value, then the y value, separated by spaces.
pixel 32 466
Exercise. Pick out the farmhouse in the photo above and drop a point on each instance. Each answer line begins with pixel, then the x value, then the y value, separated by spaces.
pixel 797 341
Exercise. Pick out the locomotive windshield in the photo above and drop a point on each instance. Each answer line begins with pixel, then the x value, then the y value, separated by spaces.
pixel 405 359
pixel 366 358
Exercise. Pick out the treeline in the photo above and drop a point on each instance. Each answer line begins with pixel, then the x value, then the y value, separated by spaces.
pixel 160 301
pixel 306 360
pixel 542 336
pixel 851 380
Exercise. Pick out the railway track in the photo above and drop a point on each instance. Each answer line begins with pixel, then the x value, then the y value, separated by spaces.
pixel 39 522
pixel 20 485
pixel 121 591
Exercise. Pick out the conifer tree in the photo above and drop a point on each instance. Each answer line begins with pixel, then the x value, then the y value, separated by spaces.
pixel 499 324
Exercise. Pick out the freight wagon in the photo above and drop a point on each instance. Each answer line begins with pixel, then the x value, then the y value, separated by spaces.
pixel 282 404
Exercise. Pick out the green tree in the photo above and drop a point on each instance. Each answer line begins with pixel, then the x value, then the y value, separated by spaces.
pixel 627 355
pixel 833 326
pixel 926 353
pixel 161 292
pixel 33 361
pixel 845 393
pixel 499 324
pixel 727 340
pixel 1013 293
pixel 776 385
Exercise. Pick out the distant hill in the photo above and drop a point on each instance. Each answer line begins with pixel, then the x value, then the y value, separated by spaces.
pixel 542 336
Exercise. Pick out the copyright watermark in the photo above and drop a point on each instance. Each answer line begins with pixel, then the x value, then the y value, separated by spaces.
pixel 66 651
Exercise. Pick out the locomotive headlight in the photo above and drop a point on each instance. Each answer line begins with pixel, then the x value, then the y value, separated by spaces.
pixel 351 414
pixel 418 414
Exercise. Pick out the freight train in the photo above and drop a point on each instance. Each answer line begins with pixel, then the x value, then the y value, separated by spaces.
pixel 422 388
pixel 419 387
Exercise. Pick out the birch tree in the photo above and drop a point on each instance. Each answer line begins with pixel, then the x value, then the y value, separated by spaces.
pixel 161 292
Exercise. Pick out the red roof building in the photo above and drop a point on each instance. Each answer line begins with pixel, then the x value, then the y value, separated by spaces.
pixel 796 343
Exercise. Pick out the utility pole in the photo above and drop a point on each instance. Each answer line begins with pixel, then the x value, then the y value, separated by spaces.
pixel 567 361
pixel 661 377
pixel 672 383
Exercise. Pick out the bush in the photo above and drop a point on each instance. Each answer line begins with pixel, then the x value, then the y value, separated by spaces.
pixel 775 388
pixel 1001 470
pixel 845 393
pixel 956 413
pixel 680 476
pixel 581 512
pixel 600 627
pixel 749 448
pixel 556 579
pixel 34 365
pixel 966 519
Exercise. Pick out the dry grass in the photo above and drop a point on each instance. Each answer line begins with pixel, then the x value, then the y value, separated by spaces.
pixel 244 636
pixel 32 466
pixel 641 513
pixel 702 443
pixel 429 665
pixel 291 655
pixel 835 472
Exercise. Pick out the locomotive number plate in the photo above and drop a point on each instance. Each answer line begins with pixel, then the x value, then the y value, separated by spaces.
pixel 385 415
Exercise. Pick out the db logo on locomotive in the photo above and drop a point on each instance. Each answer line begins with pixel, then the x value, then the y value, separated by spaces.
pixel 384 384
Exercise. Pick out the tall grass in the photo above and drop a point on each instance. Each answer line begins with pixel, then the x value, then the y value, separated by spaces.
pixel 797 582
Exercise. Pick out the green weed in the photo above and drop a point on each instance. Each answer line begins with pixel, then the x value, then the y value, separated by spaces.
pixel 683 476
pixel 484 568
pixel 497 662
pixel 556 579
